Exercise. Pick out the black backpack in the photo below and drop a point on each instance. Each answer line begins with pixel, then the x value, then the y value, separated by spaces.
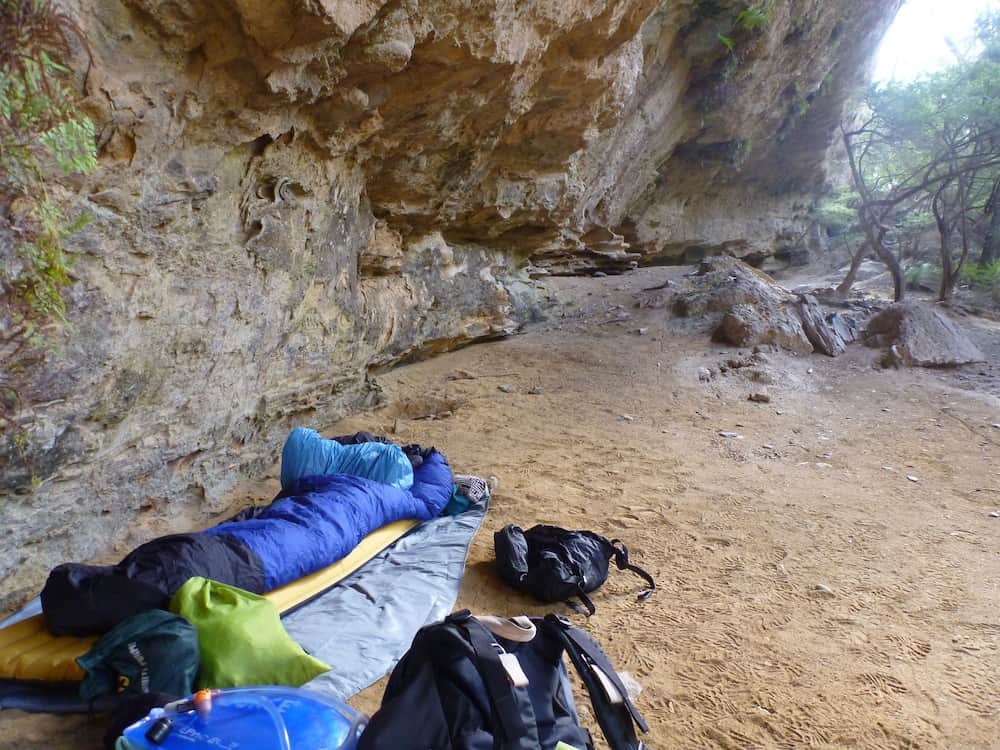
pixel 461 687
pixel 554 564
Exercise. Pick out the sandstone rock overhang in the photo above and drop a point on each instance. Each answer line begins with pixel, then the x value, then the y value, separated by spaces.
pixel 292 193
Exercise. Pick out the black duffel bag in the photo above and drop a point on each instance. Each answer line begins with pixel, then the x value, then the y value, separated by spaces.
pixel 554 564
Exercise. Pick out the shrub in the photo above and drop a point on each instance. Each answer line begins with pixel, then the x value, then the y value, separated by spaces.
pixel 925 276
pixel 835 212
pixel 41 131
pixel 987 276
pixel 751 19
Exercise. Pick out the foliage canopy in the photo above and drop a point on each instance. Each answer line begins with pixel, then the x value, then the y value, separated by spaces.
pixel 926 159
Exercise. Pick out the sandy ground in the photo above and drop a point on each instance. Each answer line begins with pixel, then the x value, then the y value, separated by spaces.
pixel 829 578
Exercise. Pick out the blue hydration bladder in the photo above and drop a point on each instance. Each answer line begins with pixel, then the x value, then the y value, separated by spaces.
pixel 262 718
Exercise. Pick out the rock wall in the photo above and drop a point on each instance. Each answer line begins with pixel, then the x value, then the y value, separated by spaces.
pixel 293 193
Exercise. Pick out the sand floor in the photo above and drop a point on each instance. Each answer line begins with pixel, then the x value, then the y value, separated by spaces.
pixel 811 594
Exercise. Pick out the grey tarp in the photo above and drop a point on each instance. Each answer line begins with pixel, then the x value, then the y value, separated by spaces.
pixel 364 624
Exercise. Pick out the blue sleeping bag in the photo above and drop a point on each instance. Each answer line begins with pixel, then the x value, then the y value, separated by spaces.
pixel 322 518
pixel 307 453
pixel 314 522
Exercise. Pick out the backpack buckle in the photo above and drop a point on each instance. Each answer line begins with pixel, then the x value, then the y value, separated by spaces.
pixel 561 620
pixel 463 615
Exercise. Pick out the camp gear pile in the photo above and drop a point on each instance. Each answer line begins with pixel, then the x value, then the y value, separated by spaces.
pixel 30 652
pixel 554 564
pixel 463 687
pixel 354 615
pixel 315 521
pixel 476 684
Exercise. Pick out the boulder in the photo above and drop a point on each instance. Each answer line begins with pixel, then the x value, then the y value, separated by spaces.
pixel 749 308
pixel 723 282
pixel 749 325
pixel 918 335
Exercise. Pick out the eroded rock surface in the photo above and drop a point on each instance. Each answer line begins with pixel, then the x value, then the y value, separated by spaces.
pixel 294 193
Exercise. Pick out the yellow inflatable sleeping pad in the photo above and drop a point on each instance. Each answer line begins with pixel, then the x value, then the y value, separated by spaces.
pixel 28 651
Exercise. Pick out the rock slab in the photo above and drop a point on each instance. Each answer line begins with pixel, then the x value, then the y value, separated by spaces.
pixel 824 337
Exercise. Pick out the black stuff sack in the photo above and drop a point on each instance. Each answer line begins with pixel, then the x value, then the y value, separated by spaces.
pixel 485 684
pixel 152 652
pixel 556 565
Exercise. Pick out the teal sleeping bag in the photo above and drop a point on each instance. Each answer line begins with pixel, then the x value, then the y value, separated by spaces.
pixel 307 453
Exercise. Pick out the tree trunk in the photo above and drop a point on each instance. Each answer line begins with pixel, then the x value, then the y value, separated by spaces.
pixel 963 230
pixel 872 222
pixel 991 244
pixel 940 208
pixel 892 263
pixel 947 270
pixel 857 259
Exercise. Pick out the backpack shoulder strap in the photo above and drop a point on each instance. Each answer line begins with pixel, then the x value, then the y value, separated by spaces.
pixel 621 560
pixel 515 716
pixel 617 718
